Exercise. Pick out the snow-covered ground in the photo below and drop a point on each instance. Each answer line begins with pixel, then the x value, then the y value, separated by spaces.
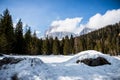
pixel 46 58
pixel 62 68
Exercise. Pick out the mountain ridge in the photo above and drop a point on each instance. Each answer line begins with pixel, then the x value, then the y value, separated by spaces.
pixel 62 34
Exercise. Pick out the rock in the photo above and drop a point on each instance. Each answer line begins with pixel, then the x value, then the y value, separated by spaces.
pixel 94 62
pixel 9 60
pixel 15 77
pixel 1 54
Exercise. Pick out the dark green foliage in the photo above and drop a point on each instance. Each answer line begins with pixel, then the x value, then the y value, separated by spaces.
pixel 27 39
pixel 40 43
pixel 7 32
pixel 51 45
pixel 34 44
pixel 19 38
pixel 56 46
pixel 3 44
pixel 31 43
pixel 61 46
pixel 106 40
pixel 45 47
pixel 72 45
pixel 67 46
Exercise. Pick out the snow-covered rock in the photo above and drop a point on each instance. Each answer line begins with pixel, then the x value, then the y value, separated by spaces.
pixel 26 69
pixel 89 54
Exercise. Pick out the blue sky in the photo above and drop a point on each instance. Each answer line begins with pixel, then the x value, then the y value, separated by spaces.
pixel 39 14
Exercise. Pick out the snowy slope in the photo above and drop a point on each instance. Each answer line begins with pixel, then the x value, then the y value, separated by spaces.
pixel 68 70
pixel 86 30
pixel 60 35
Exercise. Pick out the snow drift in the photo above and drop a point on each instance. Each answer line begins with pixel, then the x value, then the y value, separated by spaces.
pixel 23 69
pixel 85 72
pixel 90 54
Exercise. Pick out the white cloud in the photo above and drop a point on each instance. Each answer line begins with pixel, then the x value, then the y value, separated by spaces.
pixel 68 25
pixel 98 20
pixel 73 24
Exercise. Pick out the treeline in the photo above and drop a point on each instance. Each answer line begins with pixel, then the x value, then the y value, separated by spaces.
pixel 55 46
pixel 14 41
pixel 105 40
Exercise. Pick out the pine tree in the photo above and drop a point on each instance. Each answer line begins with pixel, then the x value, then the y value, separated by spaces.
pixel 3 44
pixel 78 45
pixel 51 45
pixel 34 44
pixel 27 40
pixel 40 43
pixel 2 38
pixel 31 43
pixel 19 38
pixel 7 29
pixel 72 44
pixel 66 48
pixel 1 28
pixel 61 46
pixel 56 46
pixel 45 47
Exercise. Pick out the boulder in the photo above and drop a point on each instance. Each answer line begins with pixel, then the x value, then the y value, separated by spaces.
pixel 1 54
pixel 9 60
pixel 94 62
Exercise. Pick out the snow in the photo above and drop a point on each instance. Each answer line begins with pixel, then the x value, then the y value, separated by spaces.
pixel 62 68
pixel 60 35
pixel 55 59
pixel 47 59
pixel 88 54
